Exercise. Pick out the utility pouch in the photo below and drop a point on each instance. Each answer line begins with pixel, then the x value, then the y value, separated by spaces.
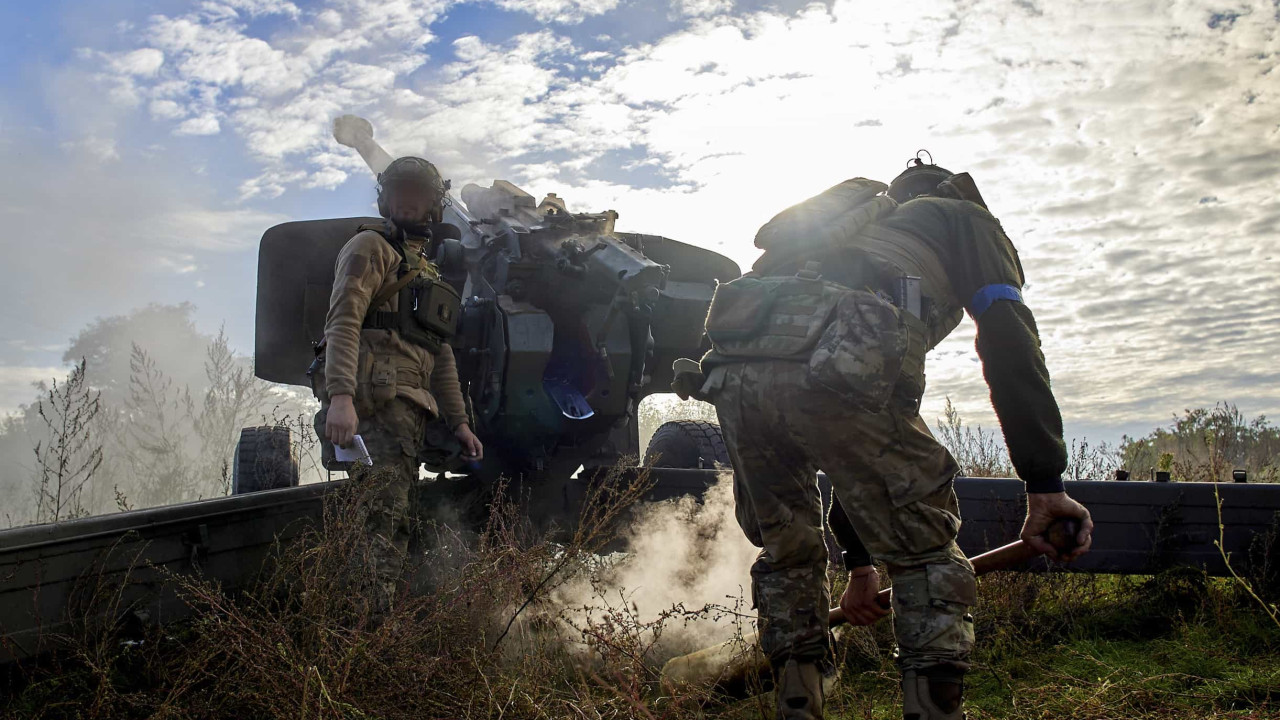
pixel 382 380
pixel 861 352
pixel 428 312
pixel 436 307
pixel 315 373
pixel 777 318
pixel 912 375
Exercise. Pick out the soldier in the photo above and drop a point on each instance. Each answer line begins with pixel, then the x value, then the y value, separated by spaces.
pixel 387 369
pixel 817 361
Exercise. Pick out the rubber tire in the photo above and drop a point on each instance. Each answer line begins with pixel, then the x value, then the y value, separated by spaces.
pixel 688 444
pixel 264 460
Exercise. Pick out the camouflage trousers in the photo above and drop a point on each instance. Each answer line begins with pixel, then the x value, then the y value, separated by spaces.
pixel 895 483
pixel 392 435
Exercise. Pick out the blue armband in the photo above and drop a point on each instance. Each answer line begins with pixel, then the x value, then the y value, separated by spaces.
pixel 987 295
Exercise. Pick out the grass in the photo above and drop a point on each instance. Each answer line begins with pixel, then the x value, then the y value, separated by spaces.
pixel 1178 645
pixel 488 640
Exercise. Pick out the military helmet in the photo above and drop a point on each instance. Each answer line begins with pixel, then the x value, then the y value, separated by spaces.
pixel 920 178
pixel 411 169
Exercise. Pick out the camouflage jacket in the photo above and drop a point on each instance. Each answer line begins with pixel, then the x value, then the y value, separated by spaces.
pixel 958 249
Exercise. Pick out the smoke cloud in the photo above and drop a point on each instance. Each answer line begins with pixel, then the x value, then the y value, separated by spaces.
pixel 681 554
pixel 172 403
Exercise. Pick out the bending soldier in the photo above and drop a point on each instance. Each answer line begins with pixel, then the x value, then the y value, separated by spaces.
pixel 387 367
pixel 817 361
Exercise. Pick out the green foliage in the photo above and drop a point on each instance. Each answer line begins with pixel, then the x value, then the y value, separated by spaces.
pixel 177 447
pixel 489 641
pixel 1095 647
pixel 980 452
pixel 1206 444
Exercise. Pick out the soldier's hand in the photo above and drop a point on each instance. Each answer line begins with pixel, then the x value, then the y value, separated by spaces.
pixel 1042 510
pixel 341 421
pixel 859 599
pixel 472 448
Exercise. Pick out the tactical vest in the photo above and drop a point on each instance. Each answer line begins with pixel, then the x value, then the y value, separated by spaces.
pixel 855 335
pixel 427 309
pixel 855 343
pixel 846 220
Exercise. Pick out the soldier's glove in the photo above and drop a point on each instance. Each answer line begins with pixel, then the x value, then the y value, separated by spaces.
pixel 688 380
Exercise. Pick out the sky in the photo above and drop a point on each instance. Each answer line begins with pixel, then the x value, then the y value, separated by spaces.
pixel 1130 149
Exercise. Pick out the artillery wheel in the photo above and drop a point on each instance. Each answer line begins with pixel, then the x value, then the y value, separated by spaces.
pixel 690 444
pixel 264 460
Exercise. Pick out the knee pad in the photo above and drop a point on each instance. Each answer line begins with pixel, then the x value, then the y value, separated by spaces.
pixel 931 614
pixel 934 694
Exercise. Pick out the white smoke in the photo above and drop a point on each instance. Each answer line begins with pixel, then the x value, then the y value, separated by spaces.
pixel 681 554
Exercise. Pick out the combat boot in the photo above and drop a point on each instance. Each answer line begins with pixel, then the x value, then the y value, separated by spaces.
pixel 925 698
pixel 800 691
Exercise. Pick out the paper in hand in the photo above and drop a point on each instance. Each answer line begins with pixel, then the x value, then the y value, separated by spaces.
pixel 356 453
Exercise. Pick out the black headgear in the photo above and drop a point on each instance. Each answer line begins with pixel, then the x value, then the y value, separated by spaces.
pixel 920 178
pixel 419 170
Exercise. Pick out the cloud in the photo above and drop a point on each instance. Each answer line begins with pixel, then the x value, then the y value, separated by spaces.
pixel 567 12
pixel 91 235
pixel 144 62
pixel 1094 129
pixel 166 110
pixel 257 8
pixel 209 71
pixel 17 385
pixel 203 125
pixel 700 8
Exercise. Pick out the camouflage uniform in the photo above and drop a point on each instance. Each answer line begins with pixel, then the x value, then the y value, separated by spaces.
pixel 892 478
pixel 391 434
pixel 397 387
pixel 847 403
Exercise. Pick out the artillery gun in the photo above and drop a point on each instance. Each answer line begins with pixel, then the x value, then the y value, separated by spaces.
pixel 566 325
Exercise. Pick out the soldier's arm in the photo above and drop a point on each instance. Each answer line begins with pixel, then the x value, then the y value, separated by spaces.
pixel 357 275
pixel 989 281
pixel 447 389
pixel 1013 364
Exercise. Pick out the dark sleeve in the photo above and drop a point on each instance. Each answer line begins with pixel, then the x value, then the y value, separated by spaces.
pixel 855 553
pixel 986 275
pixel 988 278
pixel 1009 346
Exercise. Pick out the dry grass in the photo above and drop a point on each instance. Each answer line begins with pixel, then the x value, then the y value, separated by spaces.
pixel 487 640
pixel 306 641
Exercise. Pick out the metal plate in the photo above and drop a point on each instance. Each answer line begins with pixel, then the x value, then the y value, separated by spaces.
pixel 295 279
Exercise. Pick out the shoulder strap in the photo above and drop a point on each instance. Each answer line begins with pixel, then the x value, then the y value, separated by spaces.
pixel 390 291
pixel 383 229
pixel 411 266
